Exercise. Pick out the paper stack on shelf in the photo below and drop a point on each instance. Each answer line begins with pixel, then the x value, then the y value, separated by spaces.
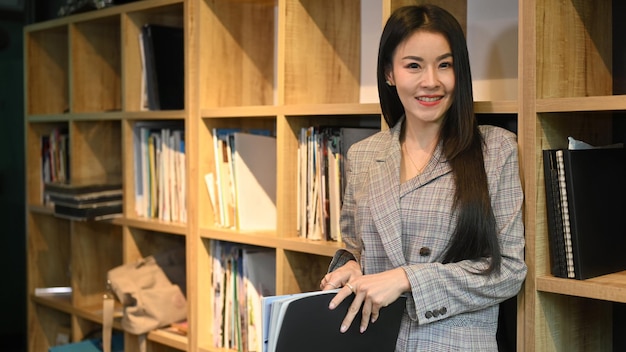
pixel 96 201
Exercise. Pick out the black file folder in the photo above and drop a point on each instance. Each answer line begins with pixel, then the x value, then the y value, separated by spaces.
pixel 593 204
pixel 164 53
pixel 309 326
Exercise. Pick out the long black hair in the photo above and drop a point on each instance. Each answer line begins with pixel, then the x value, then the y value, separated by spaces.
pixel 475 236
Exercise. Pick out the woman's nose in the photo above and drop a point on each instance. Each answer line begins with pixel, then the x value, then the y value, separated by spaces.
pixel 430 78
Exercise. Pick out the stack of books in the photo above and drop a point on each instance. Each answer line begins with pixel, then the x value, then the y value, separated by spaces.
pixel 96 201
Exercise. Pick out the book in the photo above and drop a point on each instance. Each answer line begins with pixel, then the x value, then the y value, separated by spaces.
pixel 591 194
pixel 93 213
pixel 254 174
pixel 158 167
pixel 259 274
pixel 321 178
pixel 224 189
pixel 84 190
pixel 240 276
pixel 85 201
pixel 304 323
pixel 163 54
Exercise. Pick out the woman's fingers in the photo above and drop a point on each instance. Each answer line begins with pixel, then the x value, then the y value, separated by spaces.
pixel 365 316
pixel 352 312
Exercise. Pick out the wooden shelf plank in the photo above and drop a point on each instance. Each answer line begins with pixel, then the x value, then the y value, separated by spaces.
pixel 572 104
pixel 611 287
pixel 153 225
pixel 265 239
pixel 496 107
pixel 62 302
pixel 109 11
pixel 167 338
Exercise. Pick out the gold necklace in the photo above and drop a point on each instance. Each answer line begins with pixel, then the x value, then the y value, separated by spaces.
pixel 419 170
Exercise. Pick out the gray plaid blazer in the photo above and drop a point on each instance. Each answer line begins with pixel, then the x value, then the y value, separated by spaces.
pixel 386 224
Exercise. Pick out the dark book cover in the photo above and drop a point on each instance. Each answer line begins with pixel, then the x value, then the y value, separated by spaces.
pixel 87 202
pixel 309 326
pixel 556 244
pixel 78 188
pixel 164 54
pixel 596 197
pixel 84 214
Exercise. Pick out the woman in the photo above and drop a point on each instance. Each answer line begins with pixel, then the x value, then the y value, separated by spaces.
pixel 433 205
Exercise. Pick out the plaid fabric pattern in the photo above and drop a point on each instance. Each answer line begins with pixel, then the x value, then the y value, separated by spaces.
pixel 386 225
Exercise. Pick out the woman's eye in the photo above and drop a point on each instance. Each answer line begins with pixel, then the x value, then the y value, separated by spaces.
pixel 446 65
pixel 413 65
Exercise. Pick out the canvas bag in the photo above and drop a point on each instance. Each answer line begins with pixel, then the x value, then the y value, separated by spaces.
pixel 151 291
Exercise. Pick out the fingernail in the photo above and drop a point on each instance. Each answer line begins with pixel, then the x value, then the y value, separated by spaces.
pixel 343 328
pixel 363 329
pixel 331 305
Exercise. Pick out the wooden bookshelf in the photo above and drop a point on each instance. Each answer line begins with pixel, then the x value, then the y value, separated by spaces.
pixel 571 87
pixel 283 65
pixel 274 64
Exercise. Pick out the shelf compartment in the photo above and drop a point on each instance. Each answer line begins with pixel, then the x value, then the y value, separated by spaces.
pixel 96 65
pixel 595 128
pixel 237 53
pixel 574 48
pixel 51 325
pixel 49 248
pixel 132 68
pixel 49 251
pixel 96 249
pixel 210 216
pixel 63 303
pixel 288 144
pixel 141 243
pixel 573 323
pixel 299 272
pixel 319 54
pixel 144 201
pixel 35 134
pixel 96 151
pixel 47 70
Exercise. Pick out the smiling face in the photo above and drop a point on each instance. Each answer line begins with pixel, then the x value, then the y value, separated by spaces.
pixel 423 74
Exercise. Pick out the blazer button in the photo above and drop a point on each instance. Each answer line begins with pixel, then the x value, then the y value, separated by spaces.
pixel 425 251
pixel 435 313
pixel 428 314
pixel 443 311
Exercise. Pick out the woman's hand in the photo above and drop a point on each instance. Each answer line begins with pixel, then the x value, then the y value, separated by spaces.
pixel 338 278
pixel 373 292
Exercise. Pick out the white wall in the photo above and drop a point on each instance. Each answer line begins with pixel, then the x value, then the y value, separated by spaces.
pixel 491 39
pixel 492 43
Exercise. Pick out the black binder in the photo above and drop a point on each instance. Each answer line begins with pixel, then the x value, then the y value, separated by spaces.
pixel 556 241
pixel 595 213
pixel 309 326
pixel 164 52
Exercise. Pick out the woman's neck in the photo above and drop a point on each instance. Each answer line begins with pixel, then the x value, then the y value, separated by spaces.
pixel 418 144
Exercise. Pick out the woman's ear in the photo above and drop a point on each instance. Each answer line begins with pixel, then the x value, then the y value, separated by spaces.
pixel 389 79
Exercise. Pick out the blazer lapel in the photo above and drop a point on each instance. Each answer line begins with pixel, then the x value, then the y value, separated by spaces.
pixel 384 198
